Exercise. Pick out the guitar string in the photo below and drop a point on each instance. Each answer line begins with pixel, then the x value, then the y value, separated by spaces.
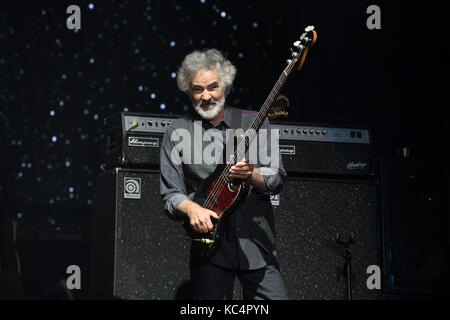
pixel 225 175
pixel 259 117
pixel 223 179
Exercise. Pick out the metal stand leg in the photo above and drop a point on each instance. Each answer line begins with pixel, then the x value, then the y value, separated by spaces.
pixel 347 263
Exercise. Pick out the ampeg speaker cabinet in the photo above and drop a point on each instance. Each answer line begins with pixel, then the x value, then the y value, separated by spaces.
pixel 325 149
pixel 138 252
pixel 132 140
pixel 309 214
pixel 416 228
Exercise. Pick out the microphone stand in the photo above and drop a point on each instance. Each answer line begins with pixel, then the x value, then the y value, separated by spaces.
pixel 347 263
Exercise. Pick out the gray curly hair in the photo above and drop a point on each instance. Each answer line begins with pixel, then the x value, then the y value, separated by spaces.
pixel 205 60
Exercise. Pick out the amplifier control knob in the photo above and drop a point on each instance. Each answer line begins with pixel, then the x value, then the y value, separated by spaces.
pixel 324 132
pixel 299 131
pixel 305 131
pixel 286 130
pixel 317 131
pixel 150 123
pixel 163 123
pixel 311 131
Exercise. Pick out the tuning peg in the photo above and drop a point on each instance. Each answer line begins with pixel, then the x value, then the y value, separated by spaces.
pixel 288 61
pixel 298 45
pixel 309 28
pixel 293 53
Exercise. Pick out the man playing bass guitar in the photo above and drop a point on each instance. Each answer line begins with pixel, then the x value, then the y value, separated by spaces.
pixel 247 237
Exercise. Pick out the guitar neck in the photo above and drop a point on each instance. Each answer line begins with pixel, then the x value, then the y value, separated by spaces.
pixel 262 113
pixel 308 38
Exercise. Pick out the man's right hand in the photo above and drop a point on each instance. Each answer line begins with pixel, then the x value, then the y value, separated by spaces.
pixel 199 217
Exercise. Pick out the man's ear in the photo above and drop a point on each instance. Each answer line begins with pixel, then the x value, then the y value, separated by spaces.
pixel 226 91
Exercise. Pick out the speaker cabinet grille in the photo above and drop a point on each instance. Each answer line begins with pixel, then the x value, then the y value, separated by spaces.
pixel 309 215
pixel 137 252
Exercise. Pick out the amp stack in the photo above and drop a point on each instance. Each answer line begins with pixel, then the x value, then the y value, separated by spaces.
pixel 139 253
pixel 331 193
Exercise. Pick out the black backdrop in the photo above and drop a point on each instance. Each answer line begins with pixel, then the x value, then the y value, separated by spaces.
pixel 57 85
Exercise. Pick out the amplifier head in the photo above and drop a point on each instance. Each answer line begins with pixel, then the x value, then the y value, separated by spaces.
pixel 133 139
pixel 325 149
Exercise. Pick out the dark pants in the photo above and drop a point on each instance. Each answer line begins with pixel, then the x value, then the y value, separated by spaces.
pixel 215 283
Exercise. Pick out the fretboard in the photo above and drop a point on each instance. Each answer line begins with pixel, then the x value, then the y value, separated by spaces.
pixel 262 113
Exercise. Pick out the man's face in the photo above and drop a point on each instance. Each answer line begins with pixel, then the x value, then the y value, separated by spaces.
pixel 207 93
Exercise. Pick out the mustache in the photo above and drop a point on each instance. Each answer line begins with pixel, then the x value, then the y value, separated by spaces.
pixel 206 102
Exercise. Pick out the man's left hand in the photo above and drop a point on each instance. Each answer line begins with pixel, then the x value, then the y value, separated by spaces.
pixel 242 170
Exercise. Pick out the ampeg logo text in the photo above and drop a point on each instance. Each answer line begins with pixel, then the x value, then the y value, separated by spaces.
pixel 356 165
pixel 132 188
pixel 275 199
pixel 287 149
pixel 143 142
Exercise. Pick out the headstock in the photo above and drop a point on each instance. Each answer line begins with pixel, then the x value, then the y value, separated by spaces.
pixel 301 46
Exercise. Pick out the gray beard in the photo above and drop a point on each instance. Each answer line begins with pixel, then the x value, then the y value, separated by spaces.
pixel 211 113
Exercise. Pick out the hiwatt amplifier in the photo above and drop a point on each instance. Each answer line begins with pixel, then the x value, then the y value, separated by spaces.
pixel 308 148
pixel 133 139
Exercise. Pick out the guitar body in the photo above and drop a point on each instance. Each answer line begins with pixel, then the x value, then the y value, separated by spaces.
pixel 224 197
